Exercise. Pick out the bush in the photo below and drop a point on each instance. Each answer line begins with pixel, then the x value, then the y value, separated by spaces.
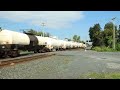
pixel 103 49
pixel 118 46
pixel 96 48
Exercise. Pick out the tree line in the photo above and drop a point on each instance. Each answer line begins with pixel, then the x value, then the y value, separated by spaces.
pixel 75 38
pixel 104 38
pixel 38 33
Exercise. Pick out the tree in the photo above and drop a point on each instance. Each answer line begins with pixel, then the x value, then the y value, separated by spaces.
pixel 34 32
pixel 39 34
pixel 118 35
pixel 108 34
pixel 47 34
pixel 69 40
pixel 95 35
pixel 91 31
pixel 108 25
pixel 76 38
pixel 105 37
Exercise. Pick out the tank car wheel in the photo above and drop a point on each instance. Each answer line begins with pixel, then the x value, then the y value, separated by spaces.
pixel 4 55
pixel 35 51
pixel 14 54
pixel 39 51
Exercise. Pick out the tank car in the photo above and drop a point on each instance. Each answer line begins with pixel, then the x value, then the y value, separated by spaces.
pixel 12 42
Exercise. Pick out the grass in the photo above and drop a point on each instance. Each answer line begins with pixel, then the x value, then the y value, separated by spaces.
pixel 112 75
pixel 103 49
pixel 25 52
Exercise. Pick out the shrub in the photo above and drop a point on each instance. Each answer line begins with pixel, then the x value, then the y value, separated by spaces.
pixel 103 49
pixel 118 46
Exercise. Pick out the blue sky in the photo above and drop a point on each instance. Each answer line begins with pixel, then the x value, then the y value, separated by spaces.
pixel 63 24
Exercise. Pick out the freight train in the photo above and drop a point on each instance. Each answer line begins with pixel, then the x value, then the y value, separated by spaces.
pixel 12 42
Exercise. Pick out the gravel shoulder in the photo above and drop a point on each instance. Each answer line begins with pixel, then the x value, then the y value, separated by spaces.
pixel 64 65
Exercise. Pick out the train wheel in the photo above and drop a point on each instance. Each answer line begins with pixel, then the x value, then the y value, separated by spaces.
pixel 35 51
pixel 39 51
pixel 3 55
pixel 14 53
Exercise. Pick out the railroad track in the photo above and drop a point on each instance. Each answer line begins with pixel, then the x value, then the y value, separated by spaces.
pixel 12 61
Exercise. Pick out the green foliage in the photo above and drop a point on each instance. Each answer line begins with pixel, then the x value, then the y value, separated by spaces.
pixel 47 34
pixel 108 34
pixel 109 25
pixel 118 46
pixel 102 75
pixel 96 48
pixel 95 34
pixel 38 33
pixel 82 42
pixel 103 49
pixel 102 40
pixel 76 38
pixel 118 35
pixel 32 31
pixel 69 40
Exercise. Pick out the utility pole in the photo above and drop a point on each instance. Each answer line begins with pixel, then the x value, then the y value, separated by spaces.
pixel 113 33
pixel 43 24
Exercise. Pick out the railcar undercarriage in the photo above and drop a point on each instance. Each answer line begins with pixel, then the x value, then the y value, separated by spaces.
pixel 14 50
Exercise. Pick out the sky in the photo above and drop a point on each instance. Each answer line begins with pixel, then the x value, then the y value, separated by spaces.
pixel 63 24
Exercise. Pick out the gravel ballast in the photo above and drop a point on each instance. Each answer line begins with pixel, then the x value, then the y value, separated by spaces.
pixel 64 65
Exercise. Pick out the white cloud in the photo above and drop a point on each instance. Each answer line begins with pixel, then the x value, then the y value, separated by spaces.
pixel 53 19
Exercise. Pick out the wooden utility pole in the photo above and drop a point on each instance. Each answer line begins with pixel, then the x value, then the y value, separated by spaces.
pixel 113 33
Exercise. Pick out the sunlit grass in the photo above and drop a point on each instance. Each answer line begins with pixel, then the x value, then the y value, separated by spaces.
pixel 112 75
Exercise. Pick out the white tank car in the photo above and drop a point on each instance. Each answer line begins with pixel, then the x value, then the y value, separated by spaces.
pixel 68 44
pixel 48 42
pixel 84 46
pixel 5 37
pixel 51 43
pixel 64 44
pixel 56 43
pixel 77 45
pixel 60 44
pixel 11 37
pixel 80 45
pixel 41 40
pixel 72 44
